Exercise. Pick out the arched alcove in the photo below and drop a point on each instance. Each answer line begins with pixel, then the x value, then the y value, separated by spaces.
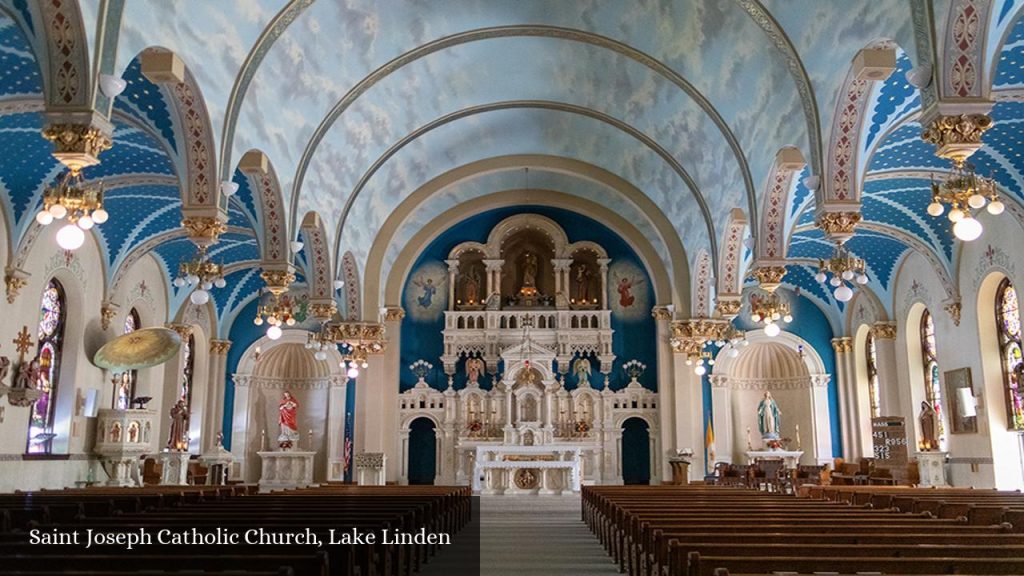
pixel 422 451
pixel 636 451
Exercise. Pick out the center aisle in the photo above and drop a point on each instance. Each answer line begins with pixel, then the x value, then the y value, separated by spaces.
pixel 540 535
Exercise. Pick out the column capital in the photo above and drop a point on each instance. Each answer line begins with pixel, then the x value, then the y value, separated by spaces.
pixel 323 311
pixel 278 278
pixel 883 330
pixel 956 135
pixel 728 305
pixel 78 138
pixel 561 263
pixel 842 345
pixel 769 275
pixel 953 308
pixel 183 330
pixel 493 264
pixel 220 347
pixel 453 266
pixel 14 280
pixel 393 314
pixel 838 224
pixel 107 312
pixel 203 230
pixel 662 312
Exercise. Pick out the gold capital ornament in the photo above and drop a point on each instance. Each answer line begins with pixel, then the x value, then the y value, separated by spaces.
pixel 842 345
pixel 956 137
pixel 220 347
pixel 838 225
pixel 14 281
pixel 884 330
pixel 203 230
pixel 278 280
pixel 769 277
pixel 77 145
pixel 323 311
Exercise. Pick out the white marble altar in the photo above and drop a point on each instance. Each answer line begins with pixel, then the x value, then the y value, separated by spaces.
pixel 931 466
pixel 791 458
pixel 552 469
pixel 283 470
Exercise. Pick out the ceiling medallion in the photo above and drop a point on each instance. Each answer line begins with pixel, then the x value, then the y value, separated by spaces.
pixel 966 193
pixel 81 204
pixel 200 271
pixel 845 269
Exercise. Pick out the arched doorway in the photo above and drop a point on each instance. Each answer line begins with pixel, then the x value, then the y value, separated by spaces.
pixel 422 451
pixel 636 452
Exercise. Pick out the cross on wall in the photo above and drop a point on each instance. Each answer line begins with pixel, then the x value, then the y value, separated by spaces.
pixel 23 343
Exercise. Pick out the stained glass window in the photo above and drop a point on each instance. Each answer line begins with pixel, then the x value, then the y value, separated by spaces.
pixel 872 365
pixel 125 391
pixel 52 314
pixel 932 386
pixel 1008 324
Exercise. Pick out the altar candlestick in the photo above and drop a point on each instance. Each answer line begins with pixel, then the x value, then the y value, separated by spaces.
pixel 749 445
pixel 263 440
pixel 797 436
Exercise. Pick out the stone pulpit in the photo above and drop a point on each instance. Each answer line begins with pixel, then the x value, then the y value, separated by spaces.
pixel 122 437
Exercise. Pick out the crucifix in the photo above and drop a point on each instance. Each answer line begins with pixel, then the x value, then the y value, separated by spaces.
pixel 22 344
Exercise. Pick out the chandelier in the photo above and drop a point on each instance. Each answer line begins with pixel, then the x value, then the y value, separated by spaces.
pixel 965 192
pixel 769 309
pixel 202 273
pixel 700 361
pixel 276 311
pixel 358 341
pixel 845 268
pixel 731 340
pixel 321 342
pixel 81 204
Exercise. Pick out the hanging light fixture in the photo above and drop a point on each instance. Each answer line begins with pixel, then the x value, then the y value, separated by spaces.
pixel 200 271
pixel 357 341
pixel 72 199
pixel 966 193
pixel 845 269
pixel 321 343
pixel 276 311
pixel 768 309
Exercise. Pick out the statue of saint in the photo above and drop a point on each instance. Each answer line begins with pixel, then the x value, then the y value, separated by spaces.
pixel 179 422
pixel 581 368
pixel 474 368
pixel 28 375
pixel 5 367
pixel 768 417
pixel 582 283
pixel 929 430
pixel 529 270
pixel 473 287
pixel 287 418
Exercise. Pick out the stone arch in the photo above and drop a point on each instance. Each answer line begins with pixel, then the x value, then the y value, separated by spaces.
pixel 771 239
pixel 730 275
pixel 263 181
pixel 703 283
pixel 353 290
pixel 963 73
pixel 318 274
pixel 67 81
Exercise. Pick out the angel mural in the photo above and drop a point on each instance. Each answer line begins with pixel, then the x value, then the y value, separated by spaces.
pixel 624 286
pixel 426 297
pixel 581 368
pixel 426 292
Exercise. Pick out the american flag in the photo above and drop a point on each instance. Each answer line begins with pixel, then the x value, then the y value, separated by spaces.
pixel 348 453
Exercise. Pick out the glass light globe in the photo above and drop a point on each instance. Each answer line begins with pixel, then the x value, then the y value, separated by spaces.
pixel 353 372
pixel 58 211
pixel 862 279
pixel 207 285
pixel 847 274
pixel 85 223
pixel 776 315
pixel 178 282
pixel 258 321
pixel 935 209
pixel 70 237
pixel 320 355
pixel 745 343
pixel 192 278
pixel 976 201
pixel 274 332
pixel 835 281
pixel 755 317
pixel 339 284
pixel 700 370
pixel 820 277
pixel 772 330
pixel 787 318
pixel 365 364
pixel 843 293
pixel 290 321
pixel 100 216
pixel 689 362
pixel 200 297
pixel 733 353
pixel 220 283
pixel 967 229
pixel 44 218
pixel 955 215
pixel 996 207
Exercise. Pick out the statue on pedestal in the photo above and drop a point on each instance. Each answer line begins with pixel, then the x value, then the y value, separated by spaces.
pixel 929 430
pixel 769 420
pixel 581 368
pixel 473 287
pixel 529 270
pixel 179 420
pixel 474 368
pixel 582 284
pixel 288 409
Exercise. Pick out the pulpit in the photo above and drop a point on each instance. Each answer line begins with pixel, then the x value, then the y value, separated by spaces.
pixel 173 467
pixel 122 437
pixel 931 467
pixel 286 469
pixel 680 470
pixel 218 461
pixel 370 468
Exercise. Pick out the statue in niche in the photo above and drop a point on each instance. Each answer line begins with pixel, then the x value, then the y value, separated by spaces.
pixel 473 286
pixel 529 409
pixel 133 432
pixel 582 283
pixel 769 417
pixel 929 429
pixel 287 420
pixel 115 432
pixel 179 419
pixel 581 368
pixel 529 270
pixel 474 368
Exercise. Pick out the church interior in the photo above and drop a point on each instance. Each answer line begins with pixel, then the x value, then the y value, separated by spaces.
pixel 742 273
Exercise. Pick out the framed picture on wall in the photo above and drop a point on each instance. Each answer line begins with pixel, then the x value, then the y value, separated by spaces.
pixel 963 408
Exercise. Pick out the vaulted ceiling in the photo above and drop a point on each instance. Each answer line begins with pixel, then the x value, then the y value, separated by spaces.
pixel 360 104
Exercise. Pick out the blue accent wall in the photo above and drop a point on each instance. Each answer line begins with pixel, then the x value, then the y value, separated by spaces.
pixel 809 323
pixel 634 336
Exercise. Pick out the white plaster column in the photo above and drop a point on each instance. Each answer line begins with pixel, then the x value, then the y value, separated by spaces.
pixel 453 275
pixel 689 410
pixel 721 422
pixel 336 408
pixel 376 416
pixel 217 385
pixel 821 421
pixel 666 389
pixel 885 362
pixel 240 423
pixel 493 276
pixel 846 385
pixel 603 263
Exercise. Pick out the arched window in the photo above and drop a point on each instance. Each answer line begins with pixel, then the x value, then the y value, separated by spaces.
pixel 52 315
pixel 125 393
pixel 872 366
pixel 930 361
pixel 1008 325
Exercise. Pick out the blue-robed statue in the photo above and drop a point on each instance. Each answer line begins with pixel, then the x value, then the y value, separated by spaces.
pixel 769 420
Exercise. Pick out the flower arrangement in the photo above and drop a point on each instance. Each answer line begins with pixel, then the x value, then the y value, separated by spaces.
pixel 475 426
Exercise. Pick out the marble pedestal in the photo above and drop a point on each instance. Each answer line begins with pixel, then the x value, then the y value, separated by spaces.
pixel 218 464
pixel 931 467
pixel 173 468
pixel 370 468
pixel 285 470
